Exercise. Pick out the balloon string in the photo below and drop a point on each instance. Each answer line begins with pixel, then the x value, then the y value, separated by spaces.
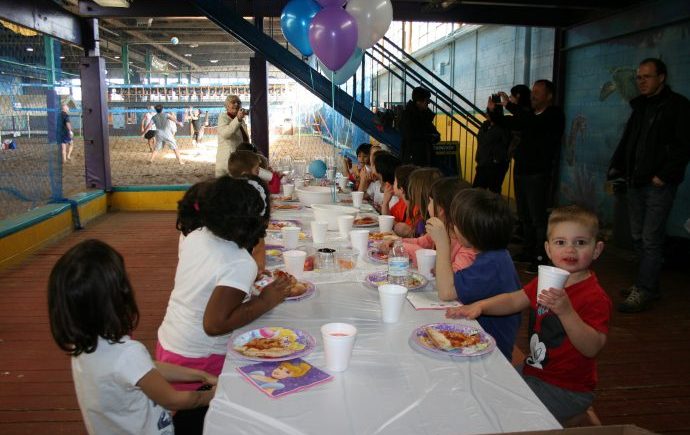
pixel 335 136
pixel 350 127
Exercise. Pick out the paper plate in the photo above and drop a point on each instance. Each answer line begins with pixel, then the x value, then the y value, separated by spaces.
pixel 375 279
pixel 302 342
pixel 266 280
pixel 278 224
pixel 485 345
pixel 371 221
pixel 286 206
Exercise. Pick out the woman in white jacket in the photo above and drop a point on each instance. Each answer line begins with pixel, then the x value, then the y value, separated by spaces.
pixel 232 131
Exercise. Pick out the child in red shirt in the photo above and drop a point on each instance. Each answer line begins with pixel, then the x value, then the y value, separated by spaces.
pixel 568 327
pixel 399 189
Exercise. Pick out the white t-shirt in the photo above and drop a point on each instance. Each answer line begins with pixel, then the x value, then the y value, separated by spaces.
pixel 205 262
pixel 110 401
pixel 374 191
pixel 147 118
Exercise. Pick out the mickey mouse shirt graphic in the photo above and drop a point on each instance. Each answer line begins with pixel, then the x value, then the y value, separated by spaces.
pixel 553 358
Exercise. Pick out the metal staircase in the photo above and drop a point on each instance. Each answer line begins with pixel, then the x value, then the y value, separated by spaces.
pixel 225 17
pixel 386 55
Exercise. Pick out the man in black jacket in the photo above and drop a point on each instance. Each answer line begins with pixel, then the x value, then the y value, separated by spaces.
pixel 535 158
pixel 418 131
pixel 651 157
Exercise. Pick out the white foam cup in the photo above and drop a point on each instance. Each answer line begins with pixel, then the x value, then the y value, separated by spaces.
pixel 426 260
pixel 392 297
pixel 550 276
pixel 357 198
pixel 288 189
pixel 345 224
pixel 319 229
pixel 342 182
pixel 290 237
pixel 294 262
pixel 338 341
pixel 360 241
pixel 386 223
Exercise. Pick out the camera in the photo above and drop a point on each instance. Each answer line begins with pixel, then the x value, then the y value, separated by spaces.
pixel 496 98
pixel 245 111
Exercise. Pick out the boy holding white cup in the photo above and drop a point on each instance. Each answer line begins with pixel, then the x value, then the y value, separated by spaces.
pixel 568 326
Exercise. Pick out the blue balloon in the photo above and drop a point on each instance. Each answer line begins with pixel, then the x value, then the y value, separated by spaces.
pixel 295 20
pixel 347 70
pixel 318 168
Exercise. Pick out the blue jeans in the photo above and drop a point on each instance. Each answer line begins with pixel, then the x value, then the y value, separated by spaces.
pixel 649 207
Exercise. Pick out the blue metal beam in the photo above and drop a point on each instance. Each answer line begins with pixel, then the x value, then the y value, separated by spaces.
pixel 228 20
pixel 44 16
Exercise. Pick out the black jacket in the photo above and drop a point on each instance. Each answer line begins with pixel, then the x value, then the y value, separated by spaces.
pixel 418 135
pixel 540 141
pixel 656 140
pixel 492 144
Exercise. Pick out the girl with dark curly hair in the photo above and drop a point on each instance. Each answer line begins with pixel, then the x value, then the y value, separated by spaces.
pixel 214 277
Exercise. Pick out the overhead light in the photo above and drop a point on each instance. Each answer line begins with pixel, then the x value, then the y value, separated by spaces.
pixel 117 57
pixel 62 57
pixel 29 49
pixel 113 3
pixel 188 55
pixel 193 45
pixel 213 60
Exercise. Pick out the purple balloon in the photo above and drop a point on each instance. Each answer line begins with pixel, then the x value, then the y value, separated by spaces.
pixel 329 3
pixel 333 36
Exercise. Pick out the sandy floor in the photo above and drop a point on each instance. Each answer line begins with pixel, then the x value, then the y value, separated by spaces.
pixel 25 173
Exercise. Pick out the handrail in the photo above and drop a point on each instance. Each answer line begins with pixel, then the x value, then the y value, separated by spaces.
pixel 432 74
pixel 422 81
pixel 442 110
pixel 438 107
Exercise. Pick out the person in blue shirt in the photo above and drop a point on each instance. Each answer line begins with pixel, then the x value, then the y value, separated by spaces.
pixel 481 221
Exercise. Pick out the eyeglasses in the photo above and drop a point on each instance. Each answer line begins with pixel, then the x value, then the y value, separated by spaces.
pixel 645 77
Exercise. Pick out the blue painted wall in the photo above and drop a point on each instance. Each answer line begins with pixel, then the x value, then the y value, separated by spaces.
pixel 600 70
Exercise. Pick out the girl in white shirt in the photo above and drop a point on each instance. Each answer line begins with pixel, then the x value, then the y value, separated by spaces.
pixel 214 277
pixel 92 312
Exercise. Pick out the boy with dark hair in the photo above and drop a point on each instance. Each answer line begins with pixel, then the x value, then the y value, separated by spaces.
pixel 568 326
pixel 481 221
pixel 242 163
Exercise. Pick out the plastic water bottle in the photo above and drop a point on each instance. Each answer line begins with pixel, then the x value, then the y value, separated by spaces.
pixel 398 264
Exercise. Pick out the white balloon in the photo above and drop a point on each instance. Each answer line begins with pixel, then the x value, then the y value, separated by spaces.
pixel 373 19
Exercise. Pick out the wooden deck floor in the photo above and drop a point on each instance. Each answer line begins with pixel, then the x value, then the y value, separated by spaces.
pixel 644 369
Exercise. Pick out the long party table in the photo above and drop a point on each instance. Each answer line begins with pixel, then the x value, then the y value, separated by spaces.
pixel 389 388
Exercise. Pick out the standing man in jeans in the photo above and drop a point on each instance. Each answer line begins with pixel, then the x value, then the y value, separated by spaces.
pixel 651 157
pixel 535 158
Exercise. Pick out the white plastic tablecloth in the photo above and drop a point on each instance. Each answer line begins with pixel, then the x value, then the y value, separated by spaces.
pixel 389 388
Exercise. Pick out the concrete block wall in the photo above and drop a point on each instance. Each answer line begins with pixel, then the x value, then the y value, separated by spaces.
pixel 483 61
pixel 600 82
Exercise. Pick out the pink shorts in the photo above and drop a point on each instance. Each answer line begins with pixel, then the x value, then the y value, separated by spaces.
pixel 212 364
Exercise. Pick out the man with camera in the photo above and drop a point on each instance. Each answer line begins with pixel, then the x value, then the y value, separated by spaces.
pixel 232 131
pixel 535 163
pixel 418 131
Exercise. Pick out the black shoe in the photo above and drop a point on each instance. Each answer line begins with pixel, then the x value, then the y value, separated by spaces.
pixel 637 301
pixel 626 291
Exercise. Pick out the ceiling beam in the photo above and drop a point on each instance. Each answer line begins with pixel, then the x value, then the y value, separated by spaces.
pixel 43 16
pixel 155 44
pixel 553 13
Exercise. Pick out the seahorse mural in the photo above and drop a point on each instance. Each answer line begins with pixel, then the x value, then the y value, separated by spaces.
pixel 577 134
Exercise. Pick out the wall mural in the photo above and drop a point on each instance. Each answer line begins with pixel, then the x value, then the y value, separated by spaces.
pixel 600 82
